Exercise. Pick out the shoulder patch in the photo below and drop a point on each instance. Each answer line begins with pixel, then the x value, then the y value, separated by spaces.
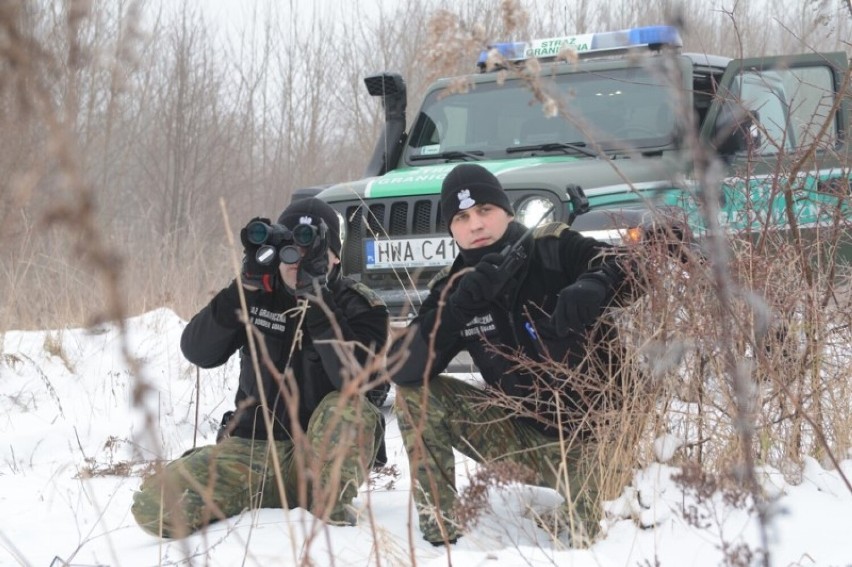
pixel 547 244
pixel 442 275
pixel 554 229
pixel 367 293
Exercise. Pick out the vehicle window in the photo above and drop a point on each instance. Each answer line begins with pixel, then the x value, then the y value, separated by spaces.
pixel 425 132
pixel 618 108
pixel 811 98
pixel 763 95
pixel 456 125
pixel 791 106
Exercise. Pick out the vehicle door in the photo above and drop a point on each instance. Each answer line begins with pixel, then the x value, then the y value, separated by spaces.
pixel 781 125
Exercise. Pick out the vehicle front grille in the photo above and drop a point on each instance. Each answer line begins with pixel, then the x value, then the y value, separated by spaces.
pixel 386 218
pixel 401 217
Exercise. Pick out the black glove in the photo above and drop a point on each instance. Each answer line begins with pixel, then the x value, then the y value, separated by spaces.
pixel 255 274
pixel 479 287
pixel 580 304
pixel 313 267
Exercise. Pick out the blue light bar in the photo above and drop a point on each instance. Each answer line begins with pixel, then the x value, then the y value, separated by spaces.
pixel 601 43
pixel 656 35
pixel 510 51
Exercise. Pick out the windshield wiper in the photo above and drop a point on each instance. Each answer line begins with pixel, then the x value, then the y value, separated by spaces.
pixel 554 146
pixel 475 155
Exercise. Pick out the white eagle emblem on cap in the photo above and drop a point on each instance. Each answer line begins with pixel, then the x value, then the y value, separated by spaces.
pixel 305 220
pixel 465 202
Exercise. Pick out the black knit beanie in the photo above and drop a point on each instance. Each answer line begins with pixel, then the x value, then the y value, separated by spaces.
pixel 467 185
pixel 311 211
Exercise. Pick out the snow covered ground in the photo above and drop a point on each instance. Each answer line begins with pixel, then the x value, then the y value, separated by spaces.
pixel 66 407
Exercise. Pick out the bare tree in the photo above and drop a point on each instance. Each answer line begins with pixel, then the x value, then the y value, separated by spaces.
pixel 168 114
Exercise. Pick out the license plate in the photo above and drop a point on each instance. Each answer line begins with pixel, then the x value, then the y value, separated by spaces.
pixel 409 253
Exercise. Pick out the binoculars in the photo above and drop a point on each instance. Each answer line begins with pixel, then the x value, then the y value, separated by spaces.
pixel 274 238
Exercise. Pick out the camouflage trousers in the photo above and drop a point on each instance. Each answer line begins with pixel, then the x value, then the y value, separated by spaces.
pixel 320 470
pixel 450 414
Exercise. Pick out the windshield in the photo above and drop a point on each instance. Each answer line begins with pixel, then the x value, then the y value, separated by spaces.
pixel 608 110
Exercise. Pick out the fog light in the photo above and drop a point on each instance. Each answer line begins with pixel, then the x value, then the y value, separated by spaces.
pixel 633 235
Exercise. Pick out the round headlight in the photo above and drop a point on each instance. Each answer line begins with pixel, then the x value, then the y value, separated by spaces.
pixel 530 212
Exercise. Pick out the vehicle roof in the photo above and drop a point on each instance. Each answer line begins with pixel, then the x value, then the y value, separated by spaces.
pixel 717 62
pixel 700 61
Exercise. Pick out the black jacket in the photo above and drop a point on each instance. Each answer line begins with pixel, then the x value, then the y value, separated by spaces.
pixel 518 323
pixel 216 333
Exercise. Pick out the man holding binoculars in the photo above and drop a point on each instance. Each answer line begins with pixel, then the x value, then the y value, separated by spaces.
pixel 303 433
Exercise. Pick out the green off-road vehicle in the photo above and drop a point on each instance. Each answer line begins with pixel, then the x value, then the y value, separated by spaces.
pixel 604 127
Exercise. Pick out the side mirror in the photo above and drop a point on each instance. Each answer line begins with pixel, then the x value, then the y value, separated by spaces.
pixel 579 202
